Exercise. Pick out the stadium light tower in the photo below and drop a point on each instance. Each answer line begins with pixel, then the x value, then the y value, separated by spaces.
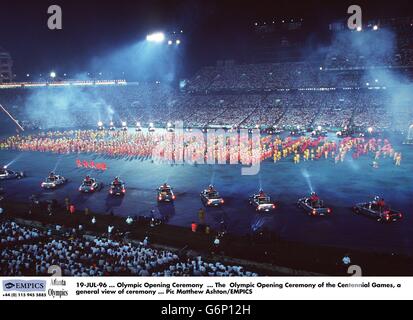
pixel 157 37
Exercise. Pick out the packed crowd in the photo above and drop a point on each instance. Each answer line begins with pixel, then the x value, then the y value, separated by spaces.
pixel 387 47
pixel 307 149
pixel 373 118
pixel 81 256
pixel 84 106
pixel 251 78
pixel 179 147
pixel 285 109
pixel 12 233
pixel 86 141
pixel 348 85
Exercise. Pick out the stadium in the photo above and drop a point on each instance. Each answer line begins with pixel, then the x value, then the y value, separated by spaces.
pixel 284 150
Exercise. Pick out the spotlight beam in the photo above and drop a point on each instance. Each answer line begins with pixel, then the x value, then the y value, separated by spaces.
pixel 11 117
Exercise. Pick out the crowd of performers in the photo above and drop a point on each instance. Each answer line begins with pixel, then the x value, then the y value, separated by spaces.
pixel 309 149
pixel 223 149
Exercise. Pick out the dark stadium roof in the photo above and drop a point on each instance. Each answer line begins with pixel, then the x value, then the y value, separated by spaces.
pixel 214 29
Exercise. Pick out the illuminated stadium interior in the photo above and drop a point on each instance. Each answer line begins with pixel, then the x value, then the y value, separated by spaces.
pixel 278 139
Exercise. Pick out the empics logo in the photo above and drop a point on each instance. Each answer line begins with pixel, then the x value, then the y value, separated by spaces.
pixel 24 285
pixel 9 285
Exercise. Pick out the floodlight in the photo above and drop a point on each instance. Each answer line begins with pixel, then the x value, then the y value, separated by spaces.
pixel 157 37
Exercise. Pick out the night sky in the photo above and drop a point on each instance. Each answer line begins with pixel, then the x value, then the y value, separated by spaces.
pixel 213 28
